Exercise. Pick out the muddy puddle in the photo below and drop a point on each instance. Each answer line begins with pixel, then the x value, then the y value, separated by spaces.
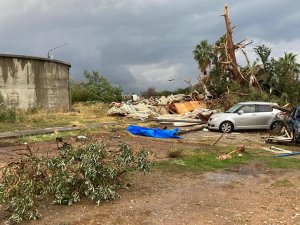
pixel 251 169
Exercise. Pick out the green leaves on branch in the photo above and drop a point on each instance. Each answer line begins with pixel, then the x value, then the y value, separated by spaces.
pixel 88 171
pixel 203 54
pixel 278 78
pixel 21 187
pixel 95 88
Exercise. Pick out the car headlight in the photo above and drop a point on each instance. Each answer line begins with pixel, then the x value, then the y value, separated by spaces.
pixel 213 118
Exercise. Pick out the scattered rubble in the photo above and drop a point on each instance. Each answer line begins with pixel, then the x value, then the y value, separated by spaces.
pixel 290 135
pixel 138 111
pixel 239 150
pixel 191 111
pixel 276 150
pixel 180 109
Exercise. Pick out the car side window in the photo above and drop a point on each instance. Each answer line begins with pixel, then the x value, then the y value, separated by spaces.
pixel 263 108
pixel 248 108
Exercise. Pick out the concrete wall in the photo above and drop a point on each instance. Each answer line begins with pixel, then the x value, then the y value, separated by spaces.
pixel 31 82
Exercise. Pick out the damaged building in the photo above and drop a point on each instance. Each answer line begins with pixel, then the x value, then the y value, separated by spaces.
pixel 28 82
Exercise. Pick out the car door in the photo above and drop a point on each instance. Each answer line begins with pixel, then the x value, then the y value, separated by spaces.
pixel 264 116
pixel 245 117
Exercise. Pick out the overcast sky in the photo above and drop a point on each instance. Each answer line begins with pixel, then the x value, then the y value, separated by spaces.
pixel 141 43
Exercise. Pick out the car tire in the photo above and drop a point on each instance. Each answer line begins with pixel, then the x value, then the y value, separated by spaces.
pixel 277 127
pixel 226 127
pixel 296 137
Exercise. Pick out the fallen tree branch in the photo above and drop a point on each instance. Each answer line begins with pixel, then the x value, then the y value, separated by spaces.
pixel 283 109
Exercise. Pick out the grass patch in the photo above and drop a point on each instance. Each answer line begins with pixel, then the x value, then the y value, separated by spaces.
pixel 282 183
pixel 11 120
pixel 117 128
pixel 8 115
pixel 175 153
pixel 201 161
pixel 280 163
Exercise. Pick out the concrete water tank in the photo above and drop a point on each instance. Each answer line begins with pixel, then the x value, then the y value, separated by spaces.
pixel 32 82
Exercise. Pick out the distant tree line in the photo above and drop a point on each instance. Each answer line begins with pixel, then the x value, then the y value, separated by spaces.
pixel 94 88
pixel 151 92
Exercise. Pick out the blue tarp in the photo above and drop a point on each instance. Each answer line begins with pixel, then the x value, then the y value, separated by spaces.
pixel 153 132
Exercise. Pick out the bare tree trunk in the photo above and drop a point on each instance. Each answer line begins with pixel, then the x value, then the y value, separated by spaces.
pixel 230 48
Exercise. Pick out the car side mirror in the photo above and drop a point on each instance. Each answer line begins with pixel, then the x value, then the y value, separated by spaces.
pixel 240 112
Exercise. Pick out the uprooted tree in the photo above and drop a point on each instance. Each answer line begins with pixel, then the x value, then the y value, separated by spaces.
pixel 266 78
pixel 89 171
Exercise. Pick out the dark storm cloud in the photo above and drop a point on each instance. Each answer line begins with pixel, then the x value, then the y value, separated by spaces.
pixel 138 43
pixel 268 20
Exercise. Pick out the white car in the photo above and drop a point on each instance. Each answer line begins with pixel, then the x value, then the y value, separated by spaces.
pixel 246 116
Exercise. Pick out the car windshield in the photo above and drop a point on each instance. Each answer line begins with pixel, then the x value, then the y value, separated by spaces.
pixel 233 108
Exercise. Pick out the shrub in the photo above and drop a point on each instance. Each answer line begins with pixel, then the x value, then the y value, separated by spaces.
pixel 8 115
pixel 88 171
pixel 175 153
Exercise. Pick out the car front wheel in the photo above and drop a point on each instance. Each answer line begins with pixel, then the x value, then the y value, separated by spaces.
pixel 226 127
pixel 277 127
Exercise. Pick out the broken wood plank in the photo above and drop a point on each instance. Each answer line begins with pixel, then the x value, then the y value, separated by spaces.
pixel 276 151
pixel 198 128
pixel 183 124
pixel 279 140
pixel 198 105
pixel 280 149
pixel 185 107
pixel 179 120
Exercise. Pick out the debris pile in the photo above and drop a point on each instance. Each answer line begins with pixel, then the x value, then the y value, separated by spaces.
pixel 185 109
pixel 289 129
pixel 140 110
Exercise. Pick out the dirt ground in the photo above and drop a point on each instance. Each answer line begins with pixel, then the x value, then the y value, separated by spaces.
pixel 248 194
